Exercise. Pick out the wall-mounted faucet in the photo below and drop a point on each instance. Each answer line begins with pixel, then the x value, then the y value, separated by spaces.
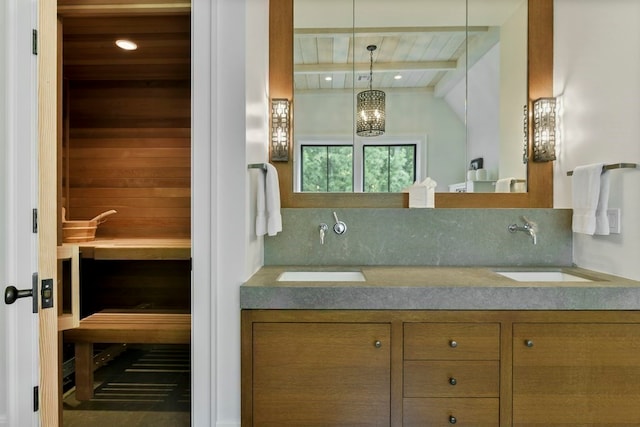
pixel 528 227
pixel 323 231
pixel 339 227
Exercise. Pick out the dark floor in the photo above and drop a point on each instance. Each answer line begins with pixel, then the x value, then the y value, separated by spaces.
pixel 144 386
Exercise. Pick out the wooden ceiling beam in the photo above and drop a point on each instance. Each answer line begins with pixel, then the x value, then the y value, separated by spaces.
pixel 378 67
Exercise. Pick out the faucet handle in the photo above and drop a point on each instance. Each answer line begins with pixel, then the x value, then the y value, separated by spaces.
pixel 339 227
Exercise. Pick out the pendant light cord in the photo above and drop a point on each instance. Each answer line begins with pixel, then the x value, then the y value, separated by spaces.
pixel 370 69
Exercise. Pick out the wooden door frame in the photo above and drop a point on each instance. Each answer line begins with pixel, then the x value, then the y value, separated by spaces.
pixel 50 357
pixel 48 107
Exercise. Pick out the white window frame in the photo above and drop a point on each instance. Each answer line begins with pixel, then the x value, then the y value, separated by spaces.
pixel 420 141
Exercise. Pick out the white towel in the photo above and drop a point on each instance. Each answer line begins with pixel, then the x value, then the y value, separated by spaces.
pixel 590 194
pixel 261 206
pixel 602 220
pixel 503 185
pixel 268 217
pixel 272 197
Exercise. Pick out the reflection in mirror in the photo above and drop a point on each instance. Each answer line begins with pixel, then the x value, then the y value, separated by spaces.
pixel 435 122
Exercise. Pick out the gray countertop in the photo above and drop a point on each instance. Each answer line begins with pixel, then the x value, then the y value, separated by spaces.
pixel 438 288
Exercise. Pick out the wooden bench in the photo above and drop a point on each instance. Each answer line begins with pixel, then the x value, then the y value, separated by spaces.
pixel 136 326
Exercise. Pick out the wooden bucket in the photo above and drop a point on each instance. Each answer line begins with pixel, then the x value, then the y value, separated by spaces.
pixel 82 230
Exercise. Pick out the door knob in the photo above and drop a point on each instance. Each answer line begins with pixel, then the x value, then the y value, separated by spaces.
pixel 11 294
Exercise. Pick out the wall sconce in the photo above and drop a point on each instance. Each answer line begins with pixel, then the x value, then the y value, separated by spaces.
pixel 280 134
pixel 544 129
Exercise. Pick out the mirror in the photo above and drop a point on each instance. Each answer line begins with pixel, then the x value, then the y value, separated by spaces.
pixel 540 40
pixel 440 112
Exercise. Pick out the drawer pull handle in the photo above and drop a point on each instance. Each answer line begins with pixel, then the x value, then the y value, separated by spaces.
pixel 377 344
pixel 453 343
pixel 453 381
pixel 452 419
pixel 528 343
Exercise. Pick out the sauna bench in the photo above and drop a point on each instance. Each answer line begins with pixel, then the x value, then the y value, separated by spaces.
pixel 438 288
pixel 130 326
pixel 135 249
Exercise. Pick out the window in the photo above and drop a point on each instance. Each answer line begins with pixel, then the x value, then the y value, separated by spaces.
pixel 388 168
pixel 327 168
pixel 386 165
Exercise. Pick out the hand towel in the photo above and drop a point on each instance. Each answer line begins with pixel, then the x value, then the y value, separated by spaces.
pixel 503 185
pixel 272 197
pixel 261 205
pixel 585 187
pixel 602 220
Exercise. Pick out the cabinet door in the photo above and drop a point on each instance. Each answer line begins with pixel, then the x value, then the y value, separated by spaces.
pixel 307 374
pixel 576 374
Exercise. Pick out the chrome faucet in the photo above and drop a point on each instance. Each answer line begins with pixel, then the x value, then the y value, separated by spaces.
pixel 339 227
pixel 528 227
pixel 323 231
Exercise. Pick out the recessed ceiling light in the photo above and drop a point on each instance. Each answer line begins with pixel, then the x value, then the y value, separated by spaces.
pixel 397 77
pixel 328 78
pixel 126 44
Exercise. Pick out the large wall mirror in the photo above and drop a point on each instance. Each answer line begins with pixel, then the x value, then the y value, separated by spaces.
pixel 455 74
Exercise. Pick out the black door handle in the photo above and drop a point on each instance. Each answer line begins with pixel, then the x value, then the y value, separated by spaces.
pixel 11 294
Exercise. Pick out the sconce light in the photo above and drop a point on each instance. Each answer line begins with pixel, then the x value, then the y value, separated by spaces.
pixel 280 130
pixel 544 129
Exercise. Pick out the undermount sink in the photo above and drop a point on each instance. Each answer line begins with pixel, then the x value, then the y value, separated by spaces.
pixel 321 276
pixel 542 276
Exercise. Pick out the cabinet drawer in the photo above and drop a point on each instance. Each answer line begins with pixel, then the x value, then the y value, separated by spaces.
pixel 464 412
pixel 451 341
pixel 451 379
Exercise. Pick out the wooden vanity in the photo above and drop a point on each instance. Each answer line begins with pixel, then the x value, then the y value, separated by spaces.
pixel 415 367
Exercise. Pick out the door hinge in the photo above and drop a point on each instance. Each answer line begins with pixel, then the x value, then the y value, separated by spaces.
pixel 34 291
pixel 34 220
pixel 36 399
pixel 34 42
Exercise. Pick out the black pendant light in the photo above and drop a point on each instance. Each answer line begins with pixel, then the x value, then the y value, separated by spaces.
pixel 371 106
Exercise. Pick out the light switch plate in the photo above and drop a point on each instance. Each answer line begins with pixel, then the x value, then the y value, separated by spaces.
pixel 614 220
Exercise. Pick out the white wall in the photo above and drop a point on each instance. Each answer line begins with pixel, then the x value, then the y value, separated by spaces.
pixel 513 69
pixel 3 183
pixel 239 136
pixel 597 78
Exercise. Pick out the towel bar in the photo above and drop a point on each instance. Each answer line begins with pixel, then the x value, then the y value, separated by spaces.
pixel 262 166
pixel 614 166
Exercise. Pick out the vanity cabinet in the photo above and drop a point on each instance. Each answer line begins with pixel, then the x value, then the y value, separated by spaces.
pixel 576 374
pixel 440 367
pixel 321 374
pixel 451 374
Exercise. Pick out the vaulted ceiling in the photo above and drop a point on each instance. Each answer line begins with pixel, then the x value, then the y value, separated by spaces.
pixel 420 56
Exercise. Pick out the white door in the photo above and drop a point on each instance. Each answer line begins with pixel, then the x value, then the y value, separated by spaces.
pixel 18 253
pixel 30 172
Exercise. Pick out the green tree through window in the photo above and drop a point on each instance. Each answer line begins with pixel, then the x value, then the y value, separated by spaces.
pixel 327 168
pixel 388 168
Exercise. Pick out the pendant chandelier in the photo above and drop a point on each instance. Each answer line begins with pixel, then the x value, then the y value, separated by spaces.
pixel 371 106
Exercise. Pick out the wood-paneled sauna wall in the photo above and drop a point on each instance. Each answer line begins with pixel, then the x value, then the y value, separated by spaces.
pixel 127 142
